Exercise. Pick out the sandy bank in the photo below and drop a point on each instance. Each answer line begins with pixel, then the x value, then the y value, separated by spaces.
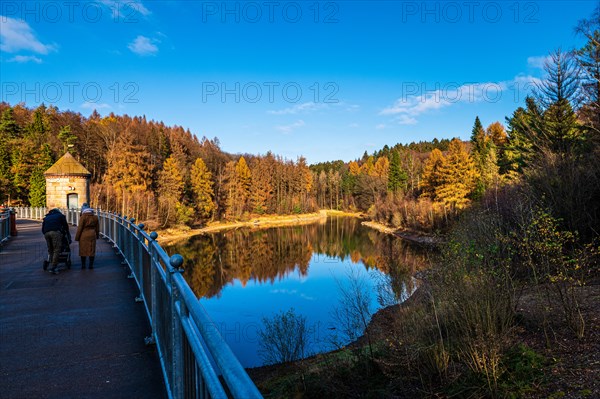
pixel 173 235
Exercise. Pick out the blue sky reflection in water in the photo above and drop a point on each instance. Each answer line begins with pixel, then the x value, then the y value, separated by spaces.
pixel 244 275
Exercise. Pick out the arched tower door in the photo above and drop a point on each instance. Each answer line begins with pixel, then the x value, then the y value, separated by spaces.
pixel 72 201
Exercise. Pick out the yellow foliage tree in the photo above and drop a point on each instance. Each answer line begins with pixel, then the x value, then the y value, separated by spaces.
pixel 170 190
pixel 368 168
pixel 382 168
pixel 238 186
pixel 261 189
pixel 354 168
pixel 498 134
pixel 127 173
pixel 202 189
pixel 431 173
pixel 458 177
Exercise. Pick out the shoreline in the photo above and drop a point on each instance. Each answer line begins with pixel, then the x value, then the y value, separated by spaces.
pixel 377 325
pixel 412 236
pixel 173 235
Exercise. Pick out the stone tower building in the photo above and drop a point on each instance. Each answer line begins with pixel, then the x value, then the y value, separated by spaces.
pixel 67 183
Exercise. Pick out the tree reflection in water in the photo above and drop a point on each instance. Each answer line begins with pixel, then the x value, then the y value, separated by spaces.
pixel 244 275
pixel 216 260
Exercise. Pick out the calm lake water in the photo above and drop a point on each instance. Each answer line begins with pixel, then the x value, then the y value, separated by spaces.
pixel 241 276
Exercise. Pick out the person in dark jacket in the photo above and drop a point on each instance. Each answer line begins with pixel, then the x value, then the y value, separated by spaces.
pixel 88 231
pixel 53 228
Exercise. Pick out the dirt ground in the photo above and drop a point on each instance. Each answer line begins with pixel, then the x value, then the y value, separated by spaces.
pixel 573 364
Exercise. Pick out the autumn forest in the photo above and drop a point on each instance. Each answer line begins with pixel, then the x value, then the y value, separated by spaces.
pixel 514 206
pixel 152 171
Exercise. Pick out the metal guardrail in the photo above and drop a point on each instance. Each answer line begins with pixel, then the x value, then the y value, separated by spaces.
pixel 196 362
pixel 4 225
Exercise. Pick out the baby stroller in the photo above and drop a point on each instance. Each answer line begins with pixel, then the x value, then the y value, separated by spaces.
pixel 65 252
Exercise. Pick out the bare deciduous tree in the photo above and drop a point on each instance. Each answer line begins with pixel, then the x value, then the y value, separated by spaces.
pixel 283 338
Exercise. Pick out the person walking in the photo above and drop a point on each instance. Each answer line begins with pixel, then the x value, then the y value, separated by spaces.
pixel 88 231
pixel 54 226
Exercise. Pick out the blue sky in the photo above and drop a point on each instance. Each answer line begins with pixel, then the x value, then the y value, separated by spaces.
pixel 323 79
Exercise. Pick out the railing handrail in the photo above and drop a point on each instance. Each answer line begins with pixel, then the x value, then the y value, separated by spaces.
pixel 181 327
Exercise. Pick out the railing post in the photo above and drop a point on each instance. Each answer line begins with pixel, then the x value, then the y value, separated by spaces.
pixel 125 244
pixel 113 228
pixel 132 247
pixel 176 261
pixel 153 287
pixel 4 224
pixel 140 261
pixel 126 237
pixel 101 221
pixel 119 232
pixel 122 237
pixel 107 224
pixel 141 228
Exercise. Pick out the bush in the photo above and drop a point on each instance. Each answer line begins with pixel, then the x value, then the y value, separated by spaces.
pixel 185 214
pixel 465 320
pixel 523 367
pixel 406 212
pixel 283 338
pixel 555 263
pixel 353 313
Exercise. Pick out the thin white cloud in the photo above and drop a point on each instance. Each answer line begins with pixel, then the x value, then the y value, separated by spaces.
pixel 291 292
pixel 353 125
pixel 537 61
pixel 16 35
pixel 22 59
pixel 312 106
pixel 526 81
pixel 283 291
pixel 380 126
pixel 287 129
pixel 406 110
pixel 406 120
pixel 143 46
pixel 415 105
pixel 126 9
pixel 91 106
pixel 298 108
pixel 445 96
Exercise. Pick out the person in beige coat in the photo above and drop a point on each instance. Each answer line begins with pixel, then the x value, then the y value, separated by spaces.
pixel 88 231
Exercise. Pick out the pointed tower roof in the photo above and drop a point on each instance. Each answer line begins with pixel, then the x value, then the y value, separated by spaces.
pixel 67 166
